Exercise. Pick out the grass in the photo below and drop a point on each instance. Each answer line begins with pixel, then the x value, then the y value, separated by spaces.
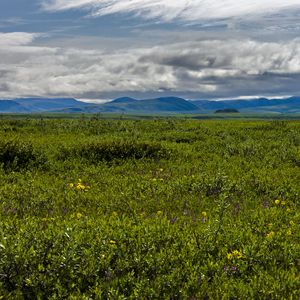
pixel 149 209
pixel 144 116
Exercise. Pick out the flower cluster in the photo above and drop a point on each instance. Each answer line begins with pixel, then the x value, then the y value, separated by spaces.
pixel 234 254
pixel 280 202
pixel 79 186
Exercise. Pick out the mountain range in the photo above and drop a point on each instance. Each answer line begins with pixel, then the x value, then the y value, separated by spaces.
pixel 163 105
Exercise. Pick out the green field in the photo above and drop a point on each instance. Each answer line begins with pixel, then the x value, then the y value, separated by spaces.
pixel 94 208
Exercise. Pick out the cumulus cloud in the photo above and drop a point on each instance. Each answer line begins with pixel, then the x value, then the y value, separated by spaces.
pixel 17 38
pixel 209 68
pixel 185 10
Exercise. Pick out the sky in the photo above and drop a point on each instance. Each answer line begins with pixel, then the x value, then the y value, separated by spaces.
pixel 104 49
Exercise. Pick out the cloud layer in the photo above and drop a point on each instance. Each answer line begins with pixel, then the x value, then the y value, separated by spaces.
pixel 185 10
pixel 209 68
pixel 16 38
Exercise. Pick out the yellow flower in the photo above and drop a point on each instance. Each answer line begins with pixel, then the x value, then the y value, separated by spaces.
pixel 270 234
pixel 80 186
pixel 277 202
pixel 229 256
pixel 112 242
pixel 78 215
pixel 237 254
pixel 71 185
pixel 204 214
pixel 159 213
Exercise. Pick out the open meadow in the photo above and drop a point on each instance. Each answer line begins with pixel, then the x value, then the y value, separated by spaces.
pixel 149 209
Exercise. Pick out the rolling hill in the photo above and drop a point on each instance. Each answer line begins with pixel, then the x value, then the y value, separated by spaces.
pixel 149 106
pixel 35 105
pixel 261 105
pixel 163 105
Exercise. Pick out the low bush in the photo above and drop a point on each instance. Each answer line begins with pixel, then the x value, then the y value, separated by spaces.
pixel 114 150
pixel 16 156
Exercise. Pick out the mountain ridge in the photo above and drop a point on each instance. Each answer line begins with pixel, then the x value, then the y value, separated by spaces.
pixel 161 105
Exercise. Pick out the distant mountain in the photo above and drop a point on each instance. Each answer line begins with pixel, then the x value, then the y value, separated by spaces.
pixel 35 105
pixel 10 106
pixel 159 105
pixel 42 104
pixel 124 100
pixel 148 106
pixel 261 105
pixel 164 105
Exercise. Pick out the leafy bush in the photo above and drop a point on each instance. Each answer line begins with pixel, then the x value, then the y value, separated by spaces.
pixel 16 156
pixel 113 150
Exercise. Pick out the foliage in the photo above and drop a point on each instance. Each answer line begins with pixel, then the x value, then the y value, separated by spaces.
pixel 15 156
pixel 149 209
pixel 114 150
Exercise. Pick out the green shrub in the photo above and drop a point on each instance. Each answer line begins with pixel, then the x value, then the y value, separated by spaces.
pixel 16 156
pixel 114 150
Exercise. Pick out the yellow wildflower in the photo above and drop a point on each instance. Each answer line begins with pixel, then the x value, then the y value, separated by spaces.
pixel 112 242
pixel 270 234
pixel 204 214
pixel 80 186
pixel 237 254
pixel 78 215
pixel 159 213
pixel 277 202
pixel 229 256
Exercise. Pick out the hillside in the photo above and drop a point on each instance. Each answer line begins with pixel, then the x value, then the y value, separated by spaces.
pixel 10 106
pixel 34 105
pixel 164 105
pixel 261 105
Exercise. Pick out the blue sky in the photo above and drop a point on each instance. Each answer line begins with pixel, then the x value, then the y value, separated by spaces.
pixel 103 49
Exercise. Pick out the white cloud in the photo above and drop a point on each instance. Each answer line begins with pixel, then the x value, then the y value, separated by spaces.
pixel 216 68
pixel 17 38
pixel 185 10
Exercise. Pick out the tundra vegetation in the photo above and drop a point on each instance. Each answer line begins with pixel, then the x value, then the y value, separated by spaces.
pixel 149 209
